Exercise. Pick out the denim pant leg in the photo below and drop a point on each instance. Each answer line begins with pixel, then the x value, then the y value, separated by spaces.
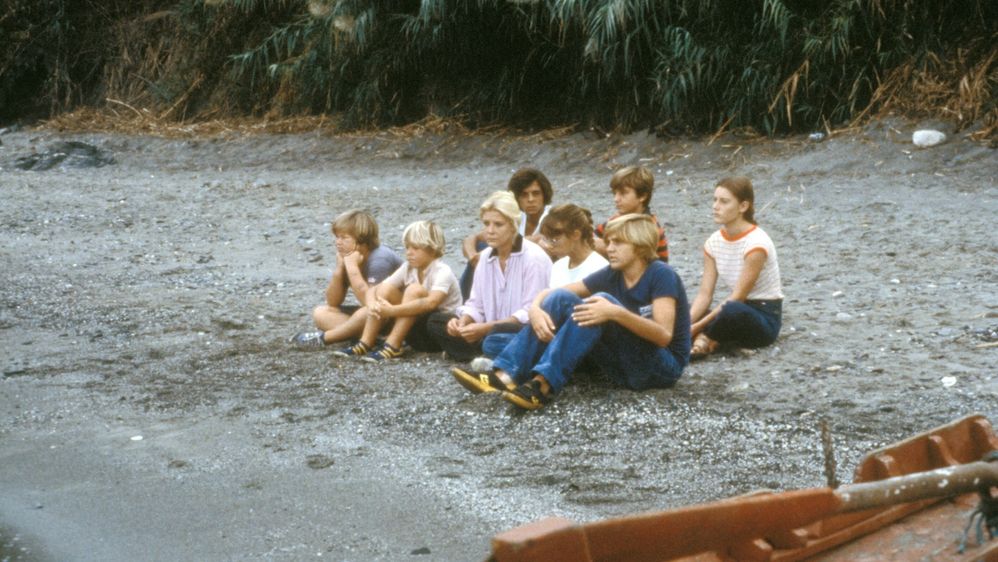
pixel 498 338
pixel 520 357
pixel 744 325
pixel 571 343
pixel 633 362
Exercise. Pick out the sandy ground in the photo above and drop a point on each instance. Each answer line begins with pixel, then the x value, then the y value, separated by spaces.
pixel 150 407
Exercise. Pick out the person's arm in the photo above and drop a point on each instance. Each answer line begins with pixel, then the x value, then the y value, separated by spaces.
pixel 372 300
pixel 598 243
pixel 657 329
pixel 600 246
pixel 469 247
pixel 455 324
pixel 476 331
pixel 701 303
pixel 466 328
pixel 754 262
pixel 540 320
pixel 414 307
pixel 336 291
pixel 352 263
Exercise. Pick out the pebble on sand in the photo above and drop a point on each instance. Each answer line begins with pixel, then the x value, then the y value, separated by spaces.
pixel 924 138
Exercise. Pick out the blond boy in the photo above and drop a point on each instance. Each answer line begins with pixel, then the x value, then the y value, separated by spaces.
pixel 422 285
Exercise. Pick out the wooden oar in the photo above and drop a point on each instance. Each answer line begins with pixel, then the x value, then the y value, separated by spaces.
pixel 685 531
pixel 938 483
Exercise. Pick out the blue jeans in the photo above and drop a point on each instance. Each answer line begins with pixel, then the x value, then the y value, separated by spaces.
pixel 754 323
pixel 499 338
pixel 624 357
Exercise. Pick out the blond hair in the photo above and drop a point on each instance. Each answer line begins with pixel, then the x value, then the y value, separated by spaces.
pixel 424 234
pixel 635 229
pixel 359 224
pixel 503 202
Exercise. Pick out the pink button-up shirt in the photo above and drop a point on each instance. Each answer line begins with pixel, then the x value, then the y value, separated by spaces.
pixel 497 295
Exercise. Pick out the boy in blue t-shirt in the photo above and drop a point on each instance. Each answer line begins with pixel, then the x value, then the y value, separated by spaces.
pixel 631 317
pixel 361 263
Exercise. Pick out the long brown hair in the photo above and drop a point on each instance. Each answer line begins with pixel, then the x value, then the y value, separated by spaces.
pixel 525 177
pixel 569 218
pixel 741 188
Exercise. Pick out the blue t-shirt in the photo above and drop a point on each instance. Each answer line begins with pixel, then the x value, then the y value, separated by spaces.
pixel 659 280
pixel 379 264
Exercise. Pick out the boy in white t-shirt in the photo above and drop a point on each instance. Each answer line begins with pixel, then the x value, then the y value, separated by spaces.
pixel 422 285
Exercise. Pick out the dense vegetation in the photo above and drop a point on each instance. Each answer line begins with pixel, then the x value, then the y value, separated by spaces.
pixel 672 65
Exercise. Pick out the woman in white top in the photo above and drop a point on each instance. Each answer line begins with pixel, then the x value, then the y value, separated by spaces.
pixel 743 257
pixel 567 236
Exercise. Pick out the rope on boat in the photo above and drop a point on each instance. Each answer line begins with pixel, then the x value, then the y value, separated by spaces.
pixel 985 515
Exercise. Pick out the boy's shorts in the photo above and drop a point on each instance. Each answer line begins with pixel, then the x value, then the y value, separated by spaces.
pixel 419 338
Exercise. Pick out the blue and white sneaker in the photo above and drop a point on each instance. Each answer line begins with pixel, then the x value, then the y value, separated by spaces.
pixel 309 339
pixel 358 349
pixel 386 351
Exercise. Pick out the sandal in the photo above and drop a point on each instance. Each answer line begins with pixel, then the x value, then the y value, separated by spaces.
pixel 702 347
pixel 528 396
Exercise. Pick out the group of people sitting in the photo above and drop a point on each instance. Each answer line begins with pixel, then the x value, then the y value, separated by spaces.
pixel 547 293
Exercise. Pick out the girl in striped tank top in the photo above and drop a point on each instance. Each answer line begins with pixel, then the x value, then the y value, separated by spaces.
pixel 742 256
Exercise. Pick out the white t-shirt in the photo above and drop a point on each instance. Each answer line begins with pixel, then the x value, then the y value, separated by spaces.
pixel 438 277
pixel 523 221
pixel 562 275
pixel 729 257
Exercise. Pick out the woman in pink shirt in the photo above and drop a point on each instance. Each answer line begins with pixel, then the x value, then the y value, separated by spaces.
pixel 510 272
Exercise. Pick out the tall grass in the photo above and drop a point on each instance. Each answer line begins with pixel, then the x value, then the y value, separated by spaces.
pixel 774 65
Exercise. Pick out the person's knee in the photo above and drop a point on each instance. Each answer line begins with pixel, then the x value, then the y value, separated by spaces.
pixel 666 378
pixel 558 299
pixel 414 291
pixel 607 296
pixel 733 307
pixel 388 292
pixel 320 311
pixel 493 344
pixel 325 314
